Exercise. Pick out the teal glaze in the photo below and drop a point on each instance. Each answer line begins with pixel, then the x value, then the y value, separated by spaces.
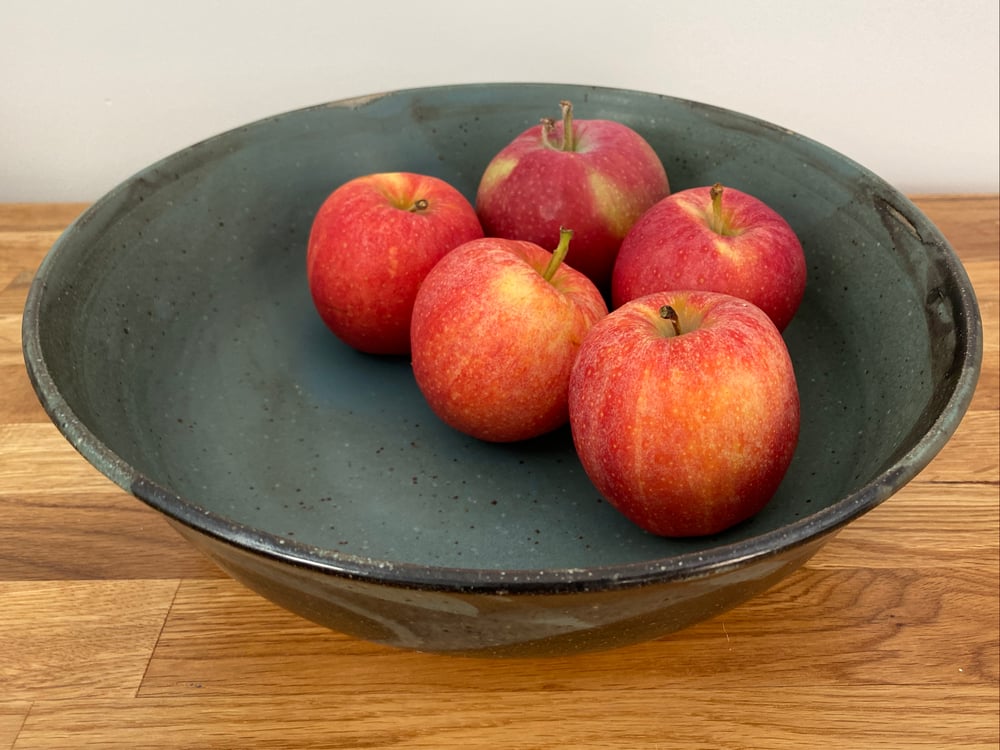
pixel 170 336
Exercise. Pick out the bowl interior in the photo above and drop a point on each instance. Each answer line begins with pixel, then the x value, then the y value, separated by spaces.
pixel 177 325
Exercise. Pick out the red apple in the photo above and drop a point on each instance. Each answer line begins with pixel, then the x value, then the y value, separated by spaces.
pixel 597 176
pixel 715 239
pixel 496 326
pixel 372 242
pixel 684 411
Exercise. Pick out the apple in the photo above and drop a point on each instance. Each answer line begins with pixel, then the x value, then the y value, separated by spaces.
pixel 684 410
pixel 496 327
pixel 715 239
pixel 372 242
pixel 596 176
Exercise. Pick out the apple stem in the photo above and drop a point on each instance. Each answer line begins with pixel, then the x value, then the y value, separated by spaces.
pixel 420 204
pixel 718 224
pixel 548 124
pixel 559 254
pixel 669 313
pixel 569 137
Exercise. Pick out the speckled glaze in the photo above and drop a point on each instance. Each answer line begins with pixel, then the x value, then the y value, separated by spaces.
pixel 171 338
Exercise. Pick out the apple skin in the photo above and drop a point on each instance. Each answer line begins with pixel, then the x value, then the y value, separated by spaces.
pixel 674 246
pixel 600 188
pixel 493 341
pixel 371 244
pixel 686 435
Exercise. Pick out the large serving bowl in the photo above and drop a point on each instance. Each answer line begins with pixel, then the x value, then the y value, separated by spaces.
pixel 171 337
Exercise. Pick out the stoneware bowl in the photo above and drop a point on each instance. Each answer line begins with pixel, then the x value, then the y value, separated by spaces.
pixel 171 337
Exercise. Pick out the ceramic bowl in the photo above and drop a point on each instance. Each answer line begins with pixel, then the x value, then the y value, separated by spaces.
pixel 171 337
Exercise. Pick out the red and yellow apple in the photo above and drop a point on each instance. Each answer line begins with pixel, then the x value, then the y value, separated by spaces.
pixel 714 239
pixel 596 176
pixel 684 411
pixel 371 244
pixel 496 327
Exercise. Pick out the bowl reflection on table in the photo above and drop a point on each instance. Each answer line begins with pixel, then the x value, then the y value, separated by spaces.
pixel 170 336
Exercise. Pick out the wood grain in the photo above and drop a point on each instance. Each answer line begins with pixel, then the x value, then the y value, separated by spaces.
pixel 881 624
pixel 75 639
pixel 789 718
pixel 12 716
pixel 114 633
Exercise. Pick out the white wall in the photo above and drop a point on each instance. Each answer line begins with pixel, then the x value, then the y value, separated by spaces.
pixel 90 92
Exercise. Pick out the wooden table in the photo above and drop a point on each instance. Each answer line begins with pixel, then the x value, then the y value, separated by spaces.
pixel 115 634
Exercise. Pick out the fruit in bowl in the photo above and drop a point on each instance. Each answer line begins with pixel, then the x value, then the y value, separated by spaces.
pixel 372 242
pixel 718 239
pixel 596 176
pixel 496 327
pixel 685 411
pixel 316 477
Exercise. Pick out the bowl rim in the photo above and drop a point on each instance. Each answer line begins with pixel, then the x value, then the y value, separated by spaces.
pixel 689 565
